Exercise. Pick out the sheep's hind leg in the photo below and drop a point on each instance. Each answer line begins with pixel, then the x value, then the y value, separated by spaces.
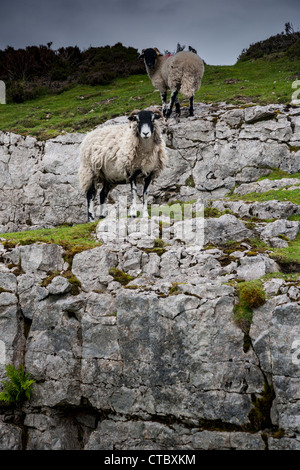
pixel 90 196
pixel 103 197
pixel 191 108
pixel 145 195
pixel 173 99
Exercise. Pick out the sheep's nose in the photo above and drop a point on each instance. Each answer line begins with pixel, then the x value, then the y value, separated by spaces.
pixel 145 134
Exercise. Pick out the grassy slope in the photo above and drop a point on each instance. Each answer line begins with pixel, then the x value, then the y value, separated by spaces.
pixel 81 108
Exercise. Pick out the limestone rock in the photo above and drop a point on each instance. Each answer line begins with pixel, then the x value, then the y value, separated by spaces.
pixel 41 257
pixel 92 268
pixel 10 437
pixel 262 210
pixel 59 285
pixel 288 228
pixel 153 358
pixel 225 228
pixel 254 267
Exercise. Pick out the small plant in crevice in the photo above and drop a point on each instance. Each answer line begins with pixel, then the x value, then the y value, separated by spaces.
pixel 76 284
pixel 120 276
pixel 259 415
pixel 158 247
pixel 251 295
pixel 18 387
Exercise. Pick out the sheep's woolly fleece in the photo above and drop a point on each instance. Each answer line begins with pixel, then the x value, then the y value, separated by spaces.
pixel 183 72
pixel 113 152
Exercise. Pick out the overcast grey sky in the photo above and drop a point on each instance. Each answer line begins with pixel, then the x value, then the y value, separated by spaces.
pixel 218 29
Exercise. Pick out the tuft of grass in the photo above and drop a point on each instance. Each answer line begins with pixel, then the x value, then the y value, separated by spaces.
pixel 158 247
pixel 251 295
pixel 76 284
pixel 174 289
pixel 120 276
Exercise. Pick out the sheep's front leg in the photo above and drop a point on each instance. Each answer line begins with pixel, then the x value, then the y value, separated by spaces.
pixel 90 196
pixel 173 99
pixel 145 195
pixel 103 197
pixel 133 210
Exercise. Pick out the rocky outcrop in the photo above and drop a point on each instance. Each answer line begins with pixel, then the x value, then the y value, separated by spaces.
pixel 221 147
pixel 147 352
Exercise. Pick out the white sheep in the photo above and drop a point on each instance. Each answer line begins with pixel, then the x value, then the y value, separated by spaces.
pixel 181 72
pixel 119 154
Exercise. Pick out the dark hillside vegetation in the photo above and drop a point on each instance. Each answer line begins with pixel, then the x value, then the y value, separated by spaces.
pixel 68 90
pixel 287 42
pixel 40 70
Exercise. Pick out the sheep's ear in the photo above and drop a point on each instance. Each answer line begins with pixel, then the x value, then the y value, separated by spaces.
pixel 132 118
pixel 157 51
pixel 142 54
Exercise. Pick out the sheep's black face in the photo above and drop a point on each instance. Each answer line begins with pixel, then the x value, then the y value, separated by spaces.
pixel 150 56
pixel 145 120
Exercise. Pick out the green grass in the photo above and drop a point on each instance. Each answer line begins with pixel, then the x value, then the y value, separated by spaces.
pixel 73 239
pixel 289 257
pixel 83 107
pixel 78 109
pixel 262 81
pixel 274 194
pixel 278 175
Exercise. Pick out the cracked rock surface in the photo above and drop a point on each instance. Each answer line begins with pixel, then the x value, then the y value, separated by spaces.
pixel 155 359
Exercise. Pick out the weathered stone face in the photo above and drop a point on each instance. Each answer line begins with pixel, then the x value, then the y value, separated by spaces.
pixel 155 359
pixel 163 352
